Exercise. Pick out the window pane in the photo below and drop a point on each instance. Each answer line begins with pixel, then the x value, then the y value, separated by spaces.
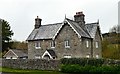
pixel 96 44
pixel 37 45
pixel 67 56
pixel 53 44
pixel 67 44
pixel 37 57
pixel 87 44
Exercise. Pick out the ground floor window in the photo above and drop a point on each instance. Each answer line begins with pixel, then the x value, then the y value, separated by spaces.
pixel 88 56
pixel 37 56
pixel 67 56
pixel 97 56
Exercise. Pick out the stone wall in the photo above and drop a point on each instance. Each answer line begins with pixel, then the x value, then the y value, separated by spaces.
pixel 39 64
pixel 97 51
pixel 42 64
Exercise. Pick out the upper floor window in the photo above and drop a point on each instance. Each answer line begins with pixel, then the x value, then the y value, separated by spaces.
pixel 96 44
pixel 87 44
pixel 67 44
pixel 52 44
pixel 37 45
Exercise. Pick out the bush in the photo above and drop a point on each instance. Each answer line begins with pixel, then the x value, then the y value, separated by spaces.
pixel 89 69
pixel 83 65
pixel 90 61
pixel 74 61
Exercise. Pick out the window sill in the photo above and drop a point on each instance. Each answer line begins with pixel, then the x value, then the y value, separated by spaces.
pixel 67 46
pixel 37 47
pixel 53 47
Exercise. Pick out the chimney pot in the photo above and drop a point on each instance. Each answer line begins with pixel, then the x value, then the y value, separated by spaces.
pixel 37 22
pixel 79 17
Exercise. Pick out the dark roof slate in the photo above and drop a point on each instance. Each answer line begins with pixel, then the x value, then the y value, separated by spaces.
pixel 92 28
pixel 19 52
pixel 49 31
pixel 52 52
pixel 45 32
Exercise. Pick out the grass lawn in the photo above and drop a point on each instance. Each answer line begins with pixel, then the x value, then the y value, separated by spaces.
pixel 18 71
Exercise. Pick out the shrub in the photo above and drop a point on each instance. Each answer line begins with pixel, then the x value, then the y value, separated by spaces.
pixel 74 61
pixel 89 69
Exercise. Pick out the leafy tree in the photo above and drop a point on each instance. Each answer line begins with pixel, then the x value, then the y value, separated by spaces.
pixel 115 29
pixel 111 43
pixel 19 45
pixel 7 33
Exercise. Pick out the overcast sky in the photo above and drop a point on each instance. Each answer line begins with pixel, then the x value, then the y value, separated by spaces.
pixel 21 13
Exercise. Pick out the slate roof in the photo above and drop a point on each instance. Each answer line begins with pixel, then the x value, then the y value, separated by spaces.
pixel 44 32
pixel 52 52
pixel 18 52
pixel 50 30
pixel 92 28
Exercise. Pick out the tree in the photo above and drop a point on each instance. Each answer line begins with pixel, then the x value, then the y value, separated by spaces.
pixel 115 29
pixel 7 33
pixel 19 45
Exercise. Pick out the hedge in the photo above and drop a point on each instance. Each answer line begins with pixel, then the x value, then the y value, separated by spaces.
pixel 90 61
pixel 91 65
pixel 89 69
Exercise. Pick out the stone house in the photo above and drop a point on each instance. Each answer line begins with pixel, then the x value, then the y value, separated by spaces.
pixel 16 54
pixel 68 39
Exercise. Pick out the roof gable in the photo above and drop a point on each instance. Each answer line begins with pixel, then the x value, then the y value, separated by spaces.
pixel 78 29
pixel 10 51
pixel 50 53
pixel 16 52
pixel 92 29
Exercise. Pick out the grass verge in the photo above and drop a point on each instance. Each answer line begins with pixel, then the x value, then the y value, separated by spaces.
pixel 19 71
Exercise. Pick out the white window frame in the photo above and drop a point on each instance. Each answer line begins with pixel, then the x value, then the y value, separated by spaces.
pixel 67 44
pixel 96 44
pixel 52 44
pixel 37 45
pixel 97 56
pixel 88 56
pixel 67 56
pixel 87 43
pixel 37 56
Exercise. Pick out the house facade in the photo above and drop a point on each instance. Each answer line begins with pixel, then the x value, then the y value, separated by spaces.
pixel 68 39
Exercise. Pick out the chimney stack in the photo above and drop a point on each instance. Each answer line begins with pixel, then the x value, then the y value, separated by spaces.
pixel 37 22
pixel 79 17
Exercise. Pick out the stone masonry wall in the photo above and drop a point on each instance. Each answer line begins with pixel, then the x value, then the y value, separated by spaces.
pixel 39 64
pixel 77 48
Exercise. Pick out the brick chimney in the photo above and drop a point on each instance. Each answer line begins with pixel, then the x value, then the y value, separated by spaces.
pixel 37 22
pixel 79 17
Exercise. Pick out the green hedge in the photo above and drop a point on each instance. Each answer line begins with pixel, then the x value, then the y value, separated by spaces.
pixel 90 61
pixel 89 69
pixel 91 65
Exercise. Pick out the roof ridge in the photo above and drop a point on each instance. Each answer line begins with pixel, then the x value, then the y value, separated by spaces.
pixel 91 23
pixel 51 24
